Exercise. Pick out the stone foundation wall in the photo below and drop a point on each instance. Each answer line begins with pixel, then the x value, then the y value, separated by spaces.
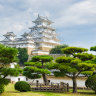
pixel 29 50
pixel 45 48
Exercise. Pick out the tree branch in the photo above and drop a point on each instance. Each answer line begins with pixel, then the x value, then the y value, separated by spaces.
pixel 5 76
pixel 69 76
pixel 78 73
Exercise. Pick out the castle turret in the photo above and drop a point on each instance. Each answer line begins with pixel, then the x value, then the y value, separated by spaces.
pixel 27 35
pixel 9 36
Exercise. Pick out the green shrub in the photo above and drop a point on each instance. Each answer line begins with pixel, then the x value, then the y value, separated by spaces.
pixel 22 86
pixel 3 82
pixel 1 88
pixel 91 82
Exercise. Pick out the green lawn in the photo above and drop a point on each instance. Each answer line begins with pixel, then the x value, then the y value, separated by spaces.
pixel 10 91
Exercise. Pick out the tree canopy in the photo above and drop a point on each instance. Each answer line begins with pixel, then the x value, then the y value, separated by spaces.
pixel 91 82
pixel 74 65
pixel 22 55
pixel 7 56
pixel 93 48
pixel 72 50
pixel 38 66
pixel 57 49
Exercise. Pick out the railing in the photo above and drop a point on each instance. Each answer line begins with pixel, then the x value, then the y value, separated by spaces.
pixel 51 87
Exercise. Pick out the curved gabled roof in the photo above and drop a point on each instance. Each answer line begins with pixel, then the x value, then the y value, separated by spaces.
pixel 9 34
pixel 26 34
pixel 41 18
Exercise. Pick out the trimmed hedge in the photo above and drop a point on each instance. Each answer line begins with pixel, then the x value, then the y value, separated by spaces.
pixel 91 82
pixel 22 86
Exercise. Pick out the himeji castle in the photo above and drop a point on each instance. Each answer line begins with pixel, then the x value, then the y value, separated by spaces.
pixel 38 41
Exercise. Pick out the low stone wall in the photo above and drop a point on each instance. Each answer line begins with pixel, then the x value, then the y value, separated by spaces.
pixel 56 55
pixel 53 55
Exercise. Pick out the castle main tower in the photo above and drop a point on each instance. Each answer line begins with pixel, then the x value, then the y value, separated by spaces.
pixel 44 36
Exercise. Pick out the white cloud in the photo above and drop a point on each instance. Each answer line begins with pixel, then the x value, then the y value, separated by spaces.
pixel 14 14
pixel 18 27
pixel 80 44
pixel 17 15
pixel 79 13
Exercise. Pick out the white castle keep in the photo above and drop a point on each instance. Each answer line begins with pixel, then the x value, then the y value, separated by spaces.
pixel 41 38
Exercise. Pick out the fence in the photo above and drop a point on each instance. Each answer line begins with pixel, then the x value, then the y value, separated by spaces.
pixel 52 87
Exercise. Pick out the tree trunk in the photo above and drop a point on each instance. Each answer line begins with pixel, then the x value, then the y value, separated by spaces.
pixel 45 80
pixel 74 85
pixel 44 75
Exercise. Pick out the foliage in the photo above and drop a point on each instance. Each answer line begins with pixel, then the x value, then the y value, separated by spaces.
pixel 16 59
pixel 22 86
pixel 91 82
pixel 91 61
pixel 10 71
pixel 41 58
pixel 87 73
pixel 22 55
pixel 72 50
pixel 84 56
pixel 7 55
pixel 37 66
pixel 93 48
pixel 57 49
pixel 31 72
pixel 1 88
pixel 74 65
pixel 62 59
pixel 2 83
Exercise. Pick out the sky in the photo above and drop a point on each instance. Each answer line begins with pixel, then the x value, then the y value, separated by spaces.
pixel 74 20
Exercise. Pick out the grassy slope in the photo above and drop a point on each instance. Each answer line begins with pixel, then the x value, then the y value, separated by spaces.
pixel 10 91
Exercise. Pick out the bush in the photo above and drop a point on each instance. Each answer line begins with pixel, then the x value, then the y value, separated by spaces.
pixel 1 88
pixel 3 82
pixel 22 86
pixel 91 82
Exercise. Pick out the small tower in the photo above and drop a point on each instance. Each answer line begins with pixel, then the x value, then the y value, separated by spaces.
pixel 27 36
pixel 28 42
pixel 9 36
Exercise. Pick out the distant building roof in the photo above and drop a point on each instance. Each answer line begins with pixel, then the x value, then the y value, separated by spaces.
pixel 9 34
pixel 41 18
pixel 26 34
